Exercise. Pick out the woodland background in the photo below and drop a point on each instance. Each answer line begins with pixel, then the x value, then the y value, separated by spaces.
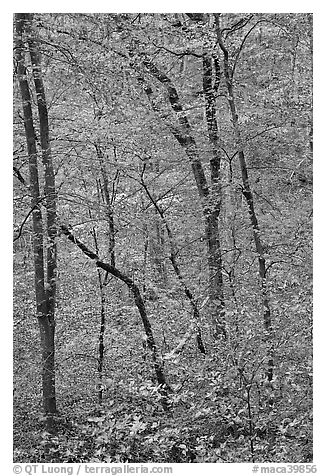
pixel 163 237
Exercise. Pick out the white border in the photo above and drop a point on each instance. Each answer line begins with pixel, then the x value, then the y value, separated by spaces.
pixel 319 198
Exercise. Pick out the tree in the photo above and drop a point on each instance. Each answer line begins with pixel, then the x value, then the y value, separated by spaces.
pixel 45 286
pixel 246 190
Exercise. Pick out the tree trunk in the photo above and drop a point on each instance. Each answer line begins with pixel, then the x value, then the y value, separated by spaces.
pixel 49 190
pixel 246 190
pixel 210 198
pixel 45 295
pixel 108 203
pixel 212 220
pixel 101 346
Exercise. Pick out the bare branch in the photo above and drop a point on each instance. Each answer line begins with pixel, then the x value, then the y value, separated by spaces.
pixel 26 218
pixel 180 55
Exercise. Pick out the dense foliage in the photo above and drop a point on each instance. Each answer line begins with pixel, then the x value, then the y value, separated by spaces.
pixel 125 188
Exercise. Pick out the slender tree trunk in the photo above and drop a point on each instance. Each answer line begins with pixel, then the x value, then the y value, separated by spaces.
pixel 145 251
pixel 234 252
pixel 45 295
pixel 111 233
pixel 101 346
pixel 212 221
pixel 108 203
pixel 246 190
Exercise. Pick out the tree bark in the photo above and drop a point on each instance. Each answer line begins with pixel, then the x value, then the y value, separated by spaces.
pixel 215 256
pixel 45 295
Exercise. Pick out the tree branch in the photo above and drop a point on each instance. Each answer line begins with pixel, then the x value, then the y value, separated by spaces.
pixel 26 218
pixel 180 55
pixel 157 362
pixel 19 175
